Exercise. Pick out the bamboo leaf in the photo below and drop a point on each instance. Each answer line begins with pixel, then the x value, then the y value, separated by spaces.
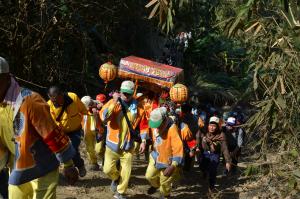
pixel 165 2
pixel 252 26
pixel 281 102
pixel 181 3
pixel 250 2
pixel 255 81
pixel 163 26
pixel 154 10
pixel 234 25
pixel 282 87
pixel 238 19
pixel 151 3
pixel 257 30
pixel 267 108
pixel 170 18
pixel 274 122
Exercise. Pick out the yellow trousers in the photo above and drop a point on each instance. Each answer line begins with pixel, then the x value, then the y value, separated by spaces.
pixel 100 150
pixel 41 188
pixel 93 149
pixel 157 179
pixel 110 167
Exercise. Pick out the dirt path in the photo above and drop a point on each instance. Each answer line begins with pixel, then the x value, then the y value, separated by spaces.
pixel 96 186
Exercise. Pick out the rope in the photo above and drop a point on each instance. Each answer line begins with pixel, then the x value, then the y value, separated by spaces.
pixel 30 82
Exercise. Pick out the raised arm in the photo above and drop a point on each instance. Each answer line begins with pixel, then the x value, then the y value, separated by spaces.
pixel 107 110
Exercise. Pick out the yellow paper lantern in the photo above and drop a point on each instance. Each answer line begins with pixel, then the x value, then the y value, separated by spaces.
pixel 108 72
pixel 179 93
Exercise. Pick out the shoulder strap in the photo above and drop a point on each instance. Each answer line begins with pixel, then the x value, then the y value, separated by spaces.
pixel 125 115
pixel 67 102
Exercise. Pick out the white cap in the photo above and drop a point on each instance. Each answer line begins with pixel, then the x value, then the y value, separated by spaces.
pixel 139 95
pixel 4 67
pixel 163 111
pixel 127 87
pixel 231 121
pixel 214 119
pixel 157 116
pixel 178 110
pixel 87 101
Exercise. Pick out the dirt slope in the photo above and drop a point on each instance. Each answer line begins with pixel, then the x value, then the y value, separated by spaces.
pixel 96 186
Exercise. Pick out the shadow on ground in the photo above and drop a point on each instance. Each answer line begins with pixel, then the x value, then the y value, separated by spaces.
pixel 192 186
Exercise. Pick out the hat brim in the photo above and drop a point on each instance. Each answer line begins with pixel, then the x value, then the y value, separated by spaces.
pixel 155 124
pixel 127 91
pixel 230 124
pixel 213 123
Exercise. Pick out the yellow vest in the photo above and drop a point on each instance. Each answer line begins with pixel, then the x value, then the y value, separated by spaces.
pixel 71 118
pixel 7 146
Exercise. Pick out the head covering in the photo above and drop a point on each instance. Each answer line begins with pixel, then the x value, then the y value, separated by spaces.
pixel 101 98
pixel 127 87
pixel 139 95
pixel 214 120
pixel 231 121
pixel 4 67
pixel 157 116
pixel 178 110
pixel 87 101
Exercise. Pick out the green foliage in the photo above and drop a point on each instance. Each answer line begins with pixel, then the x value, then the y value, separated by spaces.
pixel 165 10
pixel 251 170
pixel 47 41
pixel 294 154
pixel 218 53
pixel 269 30
pixel 274 73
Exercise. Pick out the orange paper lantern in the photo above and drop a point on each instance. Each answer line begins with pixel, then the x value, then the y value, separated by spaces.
pixel 179 93
pixel 108 72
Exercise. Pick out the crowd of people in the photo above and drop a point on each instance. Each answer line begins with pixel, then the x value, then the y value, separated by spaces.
pixel 38 137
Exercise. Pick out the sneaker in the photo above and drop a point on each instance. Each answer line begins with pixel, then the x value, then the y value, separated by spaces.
pixel 119 196
pixel 82 171
pixel 94 167
pixel 114 184
pixel 151 190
